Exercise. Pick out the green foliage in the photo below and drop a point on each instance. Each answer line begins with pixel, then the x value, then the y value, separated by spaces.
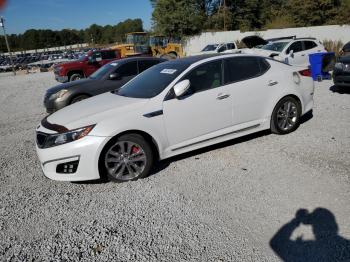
pixel 96 34
pixel 189 17
pixel 176 18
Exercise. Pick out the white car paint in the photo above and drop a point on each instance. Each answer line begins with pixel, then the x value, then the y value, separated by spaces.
pixel 225 48
pixel 186 124
pixel 300 58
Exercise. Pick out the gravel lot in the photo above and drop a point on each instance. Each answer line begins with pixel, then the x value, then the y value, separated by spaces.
pixel 222 203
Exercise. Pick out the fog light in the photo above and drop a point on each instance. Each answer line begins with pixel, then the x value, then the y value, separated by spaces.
pixel 67 168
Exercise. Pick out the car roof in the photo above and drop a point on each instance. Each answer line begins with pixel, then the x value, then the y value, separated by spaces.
pixel 136 58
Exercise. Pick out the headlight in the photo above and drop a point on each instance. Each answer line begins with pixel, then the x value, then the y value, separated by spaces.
pixel 67 137
pixel 339 66
pixel 59 94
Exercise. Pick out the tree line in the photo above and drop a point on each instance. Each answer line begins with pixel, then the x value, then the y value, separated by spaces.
pixel 96 34
pixel 188 17
pixel 179 18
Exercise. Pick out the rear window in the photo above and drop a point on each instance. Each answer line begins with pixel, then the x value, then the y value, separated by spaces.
pixel 309 45
pixel 145 64
pixel 108 55
pixel 243 68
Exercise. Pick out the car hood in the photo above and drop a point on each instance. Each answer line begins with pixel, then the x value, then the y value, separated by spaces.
pixel 94 110
pixel 69 85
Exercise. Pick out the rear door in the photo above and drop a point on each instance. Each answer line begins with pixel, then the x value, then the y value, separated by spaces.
pixel 249 86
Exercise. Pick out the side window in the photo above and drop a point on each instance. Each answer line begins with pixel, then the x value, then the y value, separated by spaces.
pixel 222 49
pixel 264 65
pixel 145 64
pixel 97 56
pixel 309 45
pixel 296 47
pixel 128 69
pixel 205 76
pixel 108 55
pixel 242 68
pixel 231 46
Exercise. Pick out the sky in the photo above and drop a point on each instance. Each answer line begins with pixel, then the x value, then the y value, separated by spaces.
pixel 21 15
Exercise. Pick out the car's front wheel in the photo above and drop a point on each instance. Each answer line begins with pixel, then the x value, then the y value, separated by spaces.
pixel 286 116
pixel 129 157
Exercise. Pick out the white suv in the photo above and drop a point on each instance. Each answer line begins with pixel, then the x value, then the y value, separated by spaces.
pixel 292 51
pixel 218 48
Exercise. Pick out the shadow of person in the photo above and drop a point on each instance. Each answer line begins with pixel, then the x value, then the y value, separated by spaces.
pixel 327 246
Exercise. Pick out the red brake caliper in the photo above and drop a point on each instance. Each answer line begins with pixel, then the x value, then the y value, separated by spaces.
pixel 135 150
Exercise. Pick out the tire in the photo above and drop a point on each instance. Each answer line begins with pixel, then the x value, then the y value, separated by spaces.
pixel 78 98
pixel 75 77
pixel 127 158
pixel 286 116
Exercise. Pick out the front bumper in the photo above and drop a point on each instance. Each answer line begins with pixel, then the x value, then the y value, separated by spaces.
pixel 341 79
pixel 86 151
pixel 52 105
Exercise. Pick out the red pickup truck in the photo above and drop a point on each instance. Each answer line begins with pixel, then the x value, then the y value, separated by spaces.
pixel 84 66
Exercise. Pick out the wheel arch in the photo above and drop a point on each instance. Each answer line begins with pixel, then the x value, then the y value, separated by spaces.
pixel 73 96
pixel 296 97
pixel 152 141
pixel 75 71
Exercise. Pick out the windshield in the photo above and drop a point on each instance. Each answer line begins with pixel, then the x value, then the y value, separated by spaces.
pixel 210 48
pixel 275 46
pixel 103 71
pixel 152 81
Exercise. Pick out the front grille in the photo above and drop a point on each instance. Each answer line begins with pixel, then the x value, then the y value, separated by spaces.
pixel 40 139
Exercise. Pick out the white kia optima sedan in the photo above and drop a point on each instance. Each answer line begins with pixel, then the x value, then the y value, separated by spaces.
pixel 169 109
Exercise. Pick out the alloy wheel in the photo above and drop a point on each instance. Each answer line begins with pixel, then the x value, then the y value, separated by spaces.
pixel 287 116
pixel 125 160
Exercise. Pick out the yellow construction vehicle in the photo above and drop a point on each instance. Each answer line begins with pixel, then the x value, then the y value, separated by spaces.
pixel 137 43
pixel 163 47
pixel 140 43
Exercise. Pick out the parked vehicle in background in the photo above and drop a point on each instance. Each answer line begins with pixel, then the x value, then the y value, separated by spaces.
pixel 163 47
pixel 345 51
pixel 218 48
pixel 84 66
pixel 108 78
pixel 172 108
pixel 137 44
pixel 341 72
pixel 294 51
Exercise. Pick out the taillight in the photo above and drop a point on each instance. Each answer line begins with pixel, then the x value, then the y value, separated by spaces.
pixel 305 72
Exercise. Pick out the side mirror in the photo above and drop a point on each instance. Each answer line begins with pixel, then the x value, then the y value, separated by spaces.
pixel 182 87
pixel 114 76
pixel 291 53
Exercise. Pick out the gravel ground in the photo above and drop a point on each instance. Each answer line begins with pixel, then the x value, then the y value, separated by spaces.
pixel 222 203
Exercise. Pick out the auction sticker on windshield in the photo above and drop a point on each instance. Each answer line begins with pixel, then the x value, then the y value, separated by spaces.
pixel 114 64
pixel 168 71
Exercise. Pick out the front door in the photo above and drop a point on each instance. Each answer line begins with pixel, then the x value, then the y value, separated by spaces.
pixel 205 109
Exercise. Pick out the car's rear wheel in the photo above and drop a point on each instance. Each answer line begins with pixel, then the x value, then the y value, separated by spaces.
pixel 75 77
pixel 127 158
pixel 286 116
pixel 79 98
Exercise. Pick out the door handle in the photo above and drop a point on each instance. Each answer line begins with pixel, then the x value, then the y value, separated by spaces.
pixel 222 96
pixel 272 83
pixel 303 55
